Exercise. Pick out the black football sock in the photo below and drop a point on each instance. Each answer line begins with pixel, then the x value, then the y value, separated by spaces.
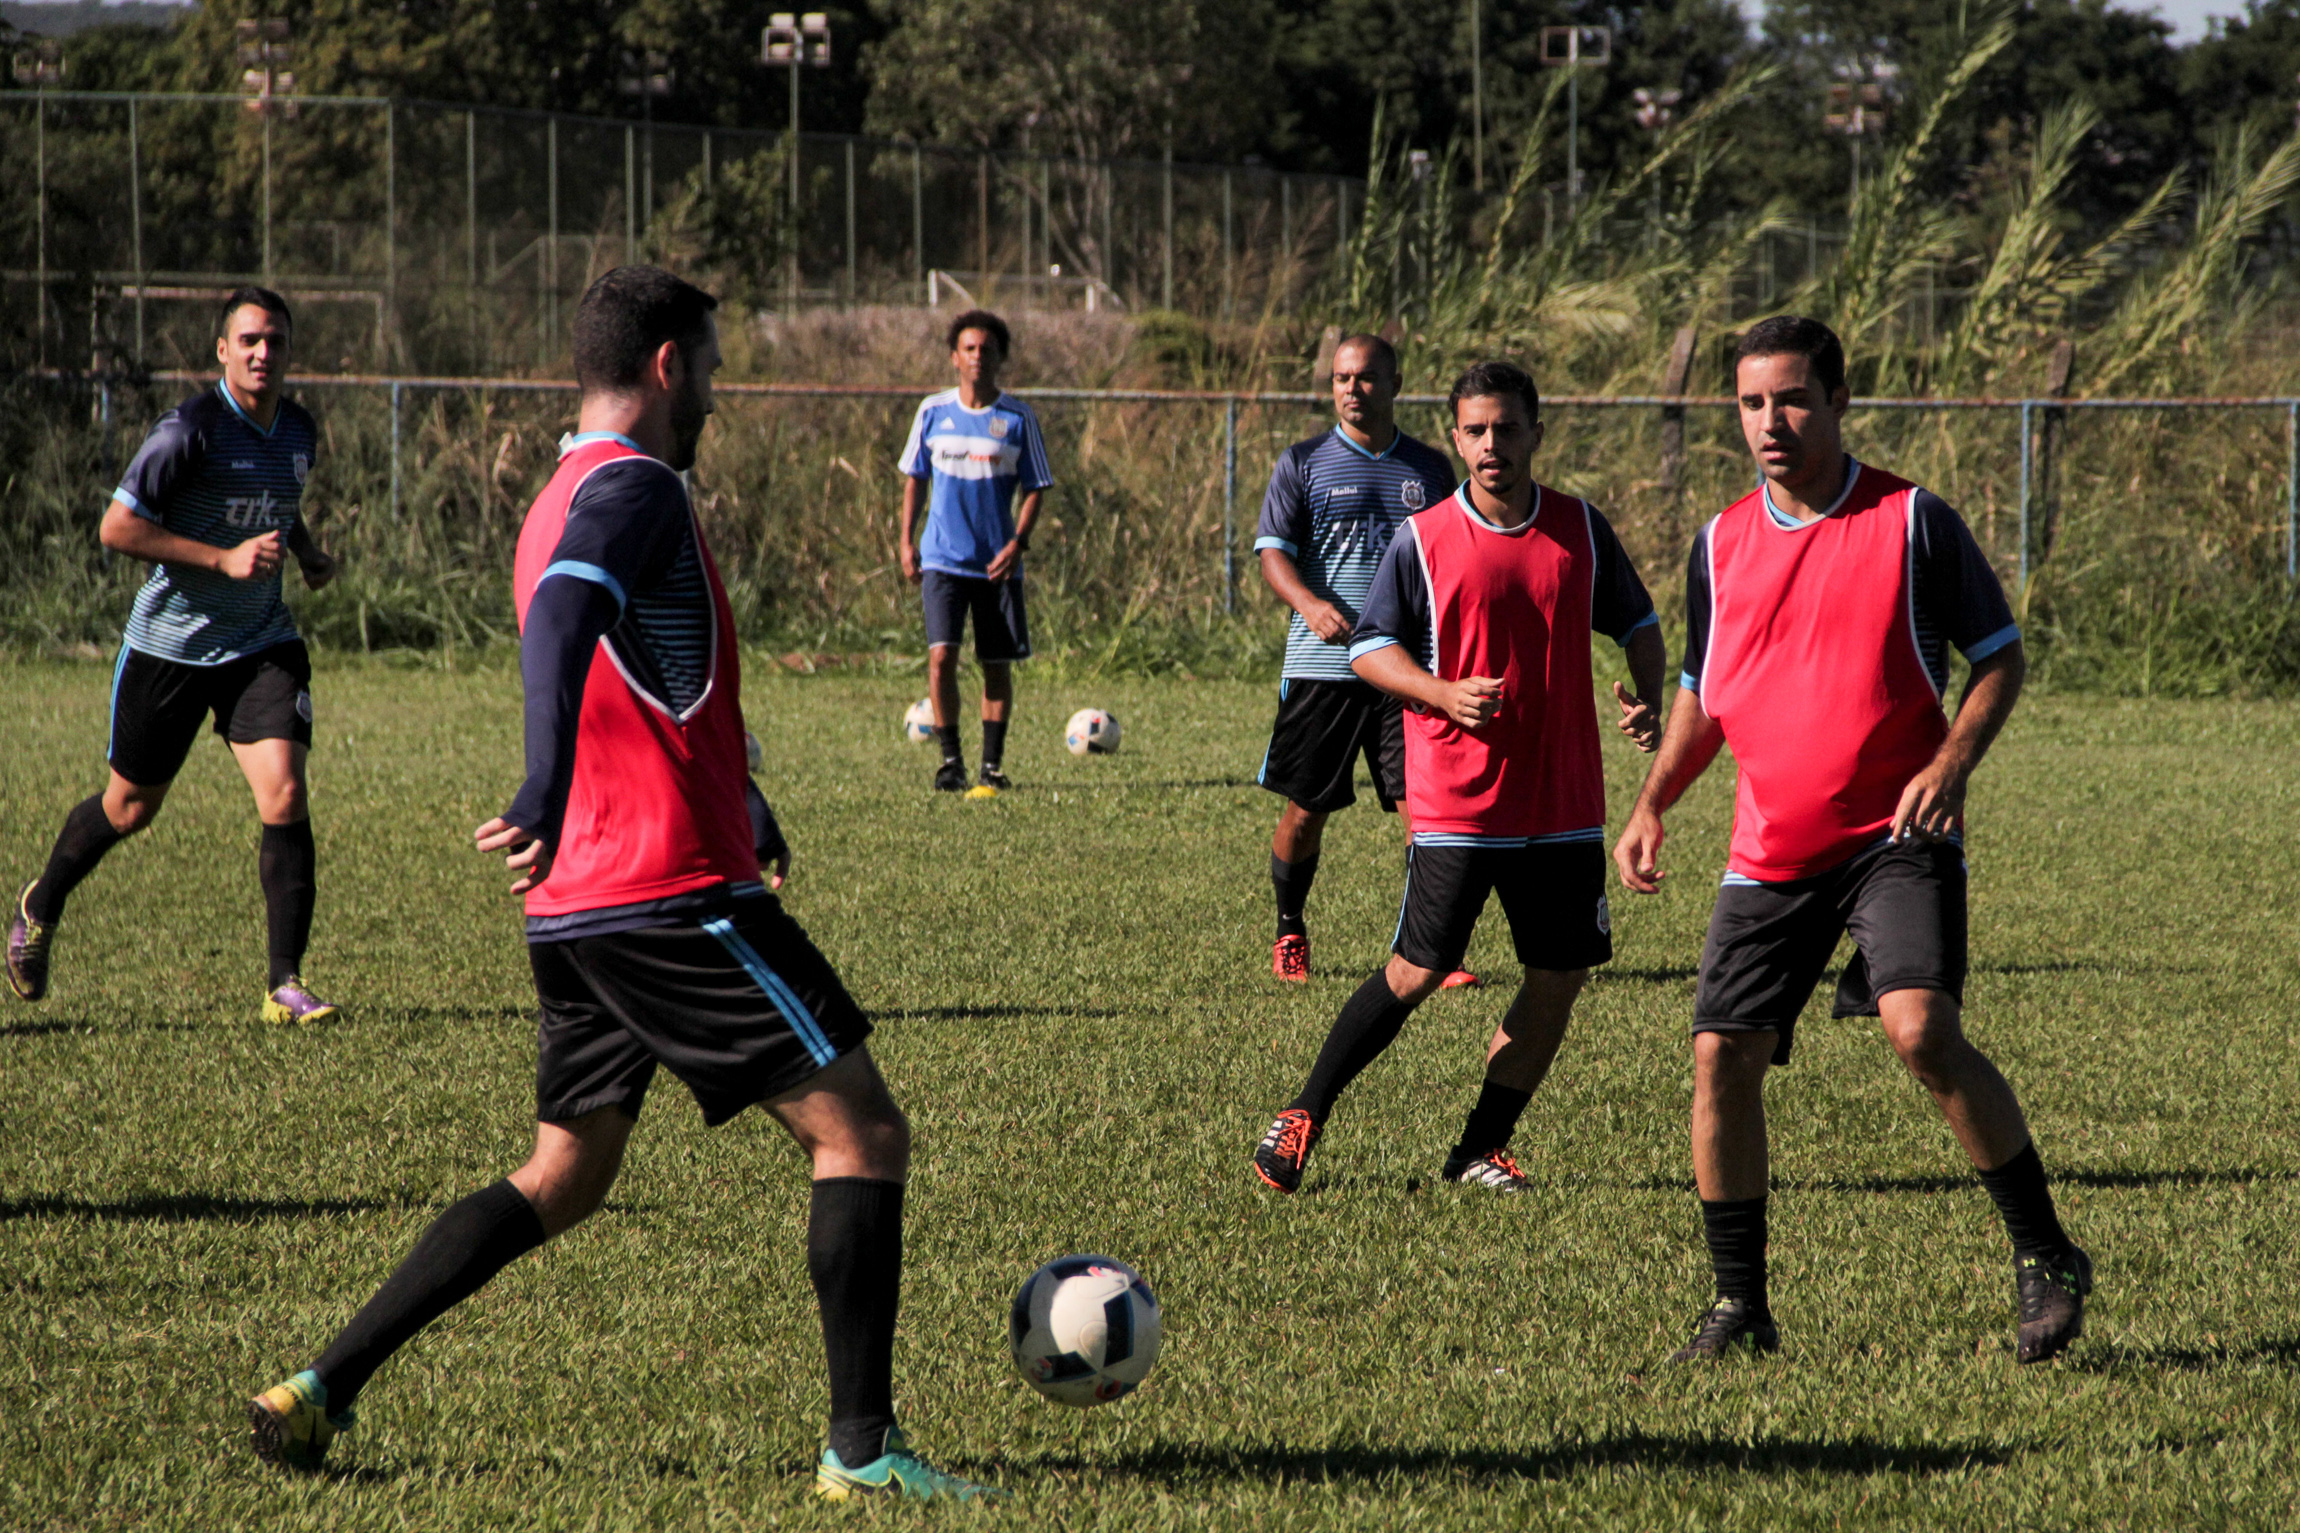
pixel 2021 1196
pixel 87 835
pixel 993 743
pixel 288 867
pixel 465 1246
pixel 1292 881
pixel 948 735
pixel 1368 1024
pixel 1492 1120
pixel 854 1255
pixel 1736 1234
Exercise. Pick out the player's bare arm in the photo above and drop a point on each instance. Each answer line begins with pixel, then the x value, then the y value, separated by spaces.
pixel 1935 798
pixel 1688 745
pixel 1283 576
pixel 913 502
pixel 124 532
pixel 1002 563
pixel 1641 709
pixel 1469 702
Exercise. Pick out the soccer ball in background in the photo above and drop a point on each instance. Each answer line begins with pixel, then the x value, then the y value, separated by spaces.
pixel 1091 732
pixel 1084 1330
pixel 918 723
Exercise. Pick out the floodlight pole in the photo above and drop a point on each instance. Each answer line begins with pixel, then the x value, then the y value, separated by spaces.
pixel 1477 95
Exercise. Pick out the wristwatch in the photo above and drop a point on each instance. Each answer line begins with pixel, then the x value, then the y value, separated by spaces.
pixel 1022 542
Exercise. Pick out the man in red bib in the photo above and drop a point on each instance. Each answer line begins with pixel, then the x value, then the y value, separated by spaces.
pixel 1819 612
pixel 652 935
pixel 1479 619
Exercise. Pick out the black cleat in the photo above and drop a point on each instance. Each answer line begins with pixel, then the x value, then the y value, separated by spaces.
pixel 1285 1149
pixel 2052 1292
pixel 1728 1324
pixel 992 777
pixel 951 777
pixel 28 944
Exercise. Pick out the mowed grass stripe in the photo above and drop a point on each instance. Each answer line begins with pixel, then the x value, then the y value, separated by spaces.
pixel 1073 1004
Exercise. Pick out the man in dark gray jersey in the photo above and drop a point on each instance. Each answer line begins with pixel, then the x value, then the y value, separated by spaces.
pixel 214 502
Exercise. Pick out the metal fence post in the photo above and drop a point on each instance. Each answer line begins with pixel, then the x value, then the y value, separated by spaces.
pixel 40 217
pixel 391 207
pixel 1229 506
pixel 1229 292
pixel 917 213
pixel 551 250
pixel 630 196
pixel 1166 194
pixel 267 120
pixel 471 226
pixel 2027 415
pixel 2292 490
pixel 136 223
pixel 395 393
pixel 850 220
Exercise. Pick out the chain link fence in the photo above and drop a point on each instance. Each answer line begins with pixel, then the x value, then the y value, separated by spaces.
pixel 428 237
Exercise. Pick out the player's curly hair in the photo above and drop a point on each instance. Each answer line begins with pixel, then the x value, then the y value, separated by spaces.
pixel 1486 380
pixel 985 321
pixel 1793 335
pixel 626 316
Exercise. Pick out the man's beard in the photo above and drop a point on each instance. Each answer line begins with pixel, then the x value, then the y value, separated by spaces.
pixel 687 419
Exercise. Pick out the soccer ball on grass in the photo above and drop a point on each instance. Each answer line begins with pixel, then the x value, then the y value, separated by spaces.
pixel 1091 732
pixel 918 722
pixel 1084 1330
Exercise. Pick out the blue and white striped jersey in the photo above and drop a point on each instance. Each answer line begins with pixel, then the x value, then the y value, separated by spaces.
pixel 1332 508
pixel 210 474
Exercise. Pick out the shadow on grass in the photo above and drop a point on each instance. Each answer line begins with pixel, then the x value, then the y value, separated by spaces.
pixel 185 1208
pixel 43 1029
pixel 1963 1181
pixel 2109 1357
pixel 426 1013
pixel 1674 1452
pixel 970 1013
pixel 1658 974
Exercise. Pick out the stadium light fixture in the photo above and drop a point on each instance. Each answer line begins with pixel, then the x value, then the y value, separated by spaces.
pixel 792 40
pixel 264 54
pixel 1573 49
pixel 41 65
pixel 1859 106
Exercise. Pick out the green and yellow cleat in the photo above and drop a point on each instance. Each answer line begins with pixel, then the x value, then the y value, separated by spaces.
pixel 289 1424
pixel 291 1003
pixel 897 1472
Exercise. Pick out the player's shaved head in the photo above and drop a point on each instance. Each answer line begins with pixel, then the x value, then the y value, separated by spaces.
pixel 626 317
pixel 1372 351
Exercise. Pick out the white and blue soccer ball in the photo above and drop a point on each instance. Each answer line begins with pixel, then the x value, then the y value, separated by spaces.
pixel 1091 732
pixel 1084 1330
pixel 918 722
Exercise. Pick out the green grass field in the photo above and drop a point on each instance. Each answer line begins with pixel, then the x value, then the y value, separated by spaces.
pixel 1073 1001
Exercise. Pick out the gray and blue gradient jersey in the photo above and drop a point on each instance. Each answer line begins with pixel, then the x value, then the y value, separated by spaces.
pixel 210 474
pixel 1332 508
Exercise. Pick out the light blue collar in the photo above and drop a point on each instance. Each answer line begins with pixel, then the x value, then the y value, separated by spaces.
pixel 1396 436
pixel 225 389
pixel 1788 523
pixel 575 439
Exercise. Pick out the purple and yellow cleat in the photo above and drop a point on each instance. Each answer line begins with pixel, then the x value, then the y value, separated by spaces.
pixel 294 1004
pixel 28 942
pixel 289 1425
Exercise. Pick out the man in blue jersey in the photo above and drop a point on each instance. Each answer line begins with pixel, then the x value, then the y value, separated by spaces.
pixel 213 501
pixel 1333 505
pixel 971 449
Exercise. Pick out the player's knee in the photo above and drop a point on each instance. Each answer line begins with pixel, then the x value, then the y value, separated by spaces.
pixel 1933 1047
pixel 1731 1061
pixel 131 814
pixel 1410 982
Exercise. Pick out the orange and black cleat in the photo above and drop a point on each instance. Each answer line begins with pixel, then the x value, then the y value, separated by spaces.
pixel 1290 959
pixel 1285 1149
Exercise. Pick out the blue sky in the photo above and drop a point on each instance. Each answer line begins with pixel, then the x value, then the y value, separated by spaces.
pixel 2187 16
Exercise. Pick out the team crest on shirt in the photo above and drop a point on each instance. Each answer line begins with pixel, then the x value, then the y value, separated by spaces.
pixel 1412 494
pixel 998 425
pixel 1604 916
pixel 302 463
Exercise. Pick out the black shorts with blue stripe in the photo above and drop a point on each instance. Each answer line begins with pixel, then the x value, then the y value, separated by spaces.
pixel 735 1001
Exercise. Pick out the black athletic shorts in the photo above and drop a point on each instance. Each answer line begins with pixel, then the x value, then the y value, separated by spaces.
pixel 159 705
pixel 1769 943
pixel 740 1006
pixel 1553 893
pixel 1001 625
pixel 1322 728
